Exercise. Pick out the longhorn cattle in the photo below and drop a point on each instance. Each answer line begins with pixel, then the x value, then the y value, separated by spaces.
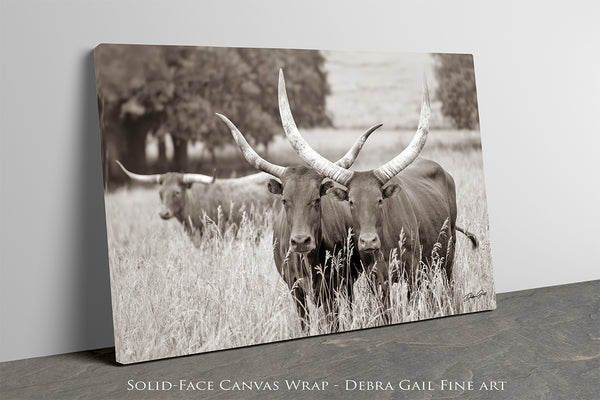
pixel 308 225
pixel 187 197
pixel 403 196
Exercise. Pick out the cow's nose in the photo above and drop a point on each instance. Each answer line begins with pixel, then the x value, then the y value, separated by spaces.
pixel 368 242
pixel 300 240
pixel 301 243
pixel 165 214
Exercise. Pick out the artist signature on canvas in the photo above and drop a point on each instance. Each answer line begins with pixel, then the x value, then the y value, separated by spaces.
pixel 478 295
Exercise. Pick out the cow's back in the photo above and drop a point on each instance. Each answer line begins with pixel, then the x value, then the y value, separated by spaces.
pixel 233 196
pixel 427 198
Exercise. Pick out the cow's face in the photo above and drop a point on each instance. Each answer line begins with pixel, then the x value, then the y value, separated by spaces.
pixel 366 196
pixel 301 190
pixel 172 195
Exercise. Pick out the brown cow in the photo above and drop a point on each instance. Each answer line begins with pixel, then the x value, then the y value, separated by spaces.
pixel 187 197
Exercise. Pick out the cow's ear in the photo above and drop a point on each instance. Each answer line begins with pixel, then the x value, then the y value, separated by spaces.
pixel 325 187
pixel 391 190
pixel 338 194
pixel 274 187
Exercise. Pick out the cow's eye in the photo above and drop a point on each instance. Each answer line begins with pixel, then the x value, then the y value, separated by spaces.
pixel 351 202
pixel 317 202
pixel 380 201
pixel 283 201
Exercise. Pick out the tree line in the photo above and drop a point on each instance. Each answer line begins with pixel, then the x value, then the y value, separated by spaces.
pixel 176 90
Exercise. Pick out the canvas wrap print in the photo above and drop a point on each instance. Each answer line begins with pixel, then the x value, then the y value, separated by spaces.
pixel 252 195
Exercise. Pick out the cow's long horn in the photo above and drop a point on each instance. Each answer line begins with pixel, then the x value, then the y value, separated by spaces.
pixel 251 156
pixel 350 156
pixel 140 178
pixel 198 178
pixel 311 157
pixel 390 169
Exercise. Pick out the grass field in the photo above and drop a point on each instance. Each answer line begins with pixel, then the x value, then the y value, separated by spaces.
pixel 173 297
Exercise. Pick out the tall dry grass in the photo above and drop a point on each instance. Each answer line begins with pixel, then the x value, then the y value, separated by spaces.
pixel 173 296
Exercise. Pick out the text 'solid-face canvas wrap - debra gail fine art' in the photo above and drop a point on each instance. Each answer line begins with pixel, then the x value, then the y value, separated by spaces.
pixel 258 195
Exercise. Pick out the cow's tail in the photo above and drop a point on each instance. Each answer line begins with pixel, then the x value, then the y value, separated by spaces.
pixel 470 236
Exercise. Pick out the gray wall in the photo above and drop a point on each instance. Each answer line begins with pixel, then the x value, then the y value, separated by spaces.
pixel 538 83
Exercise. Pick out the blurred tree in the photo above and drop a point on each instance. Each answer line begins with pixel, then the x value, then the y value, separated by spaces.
pixel 456 89
pixel 206 79
pixel 134 84
pixel 178 89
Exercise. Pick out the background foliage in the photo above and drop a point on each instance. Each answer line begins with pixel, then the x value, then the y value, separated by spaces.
pixel 456 89
pixel 169 95
pixel 155 90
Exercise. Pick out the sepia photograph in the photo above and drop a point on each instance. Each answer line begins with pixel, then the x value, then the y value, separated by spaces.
pixel 258 195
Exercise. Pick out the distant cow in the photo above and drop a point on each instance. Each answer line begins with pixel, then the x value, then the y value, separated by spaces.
pixel 187 197
pixel 309 225
pixel 417 198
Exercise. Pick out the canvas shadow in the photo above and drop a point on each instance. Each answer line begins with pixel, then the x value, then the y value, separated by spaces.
pixel 90 251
